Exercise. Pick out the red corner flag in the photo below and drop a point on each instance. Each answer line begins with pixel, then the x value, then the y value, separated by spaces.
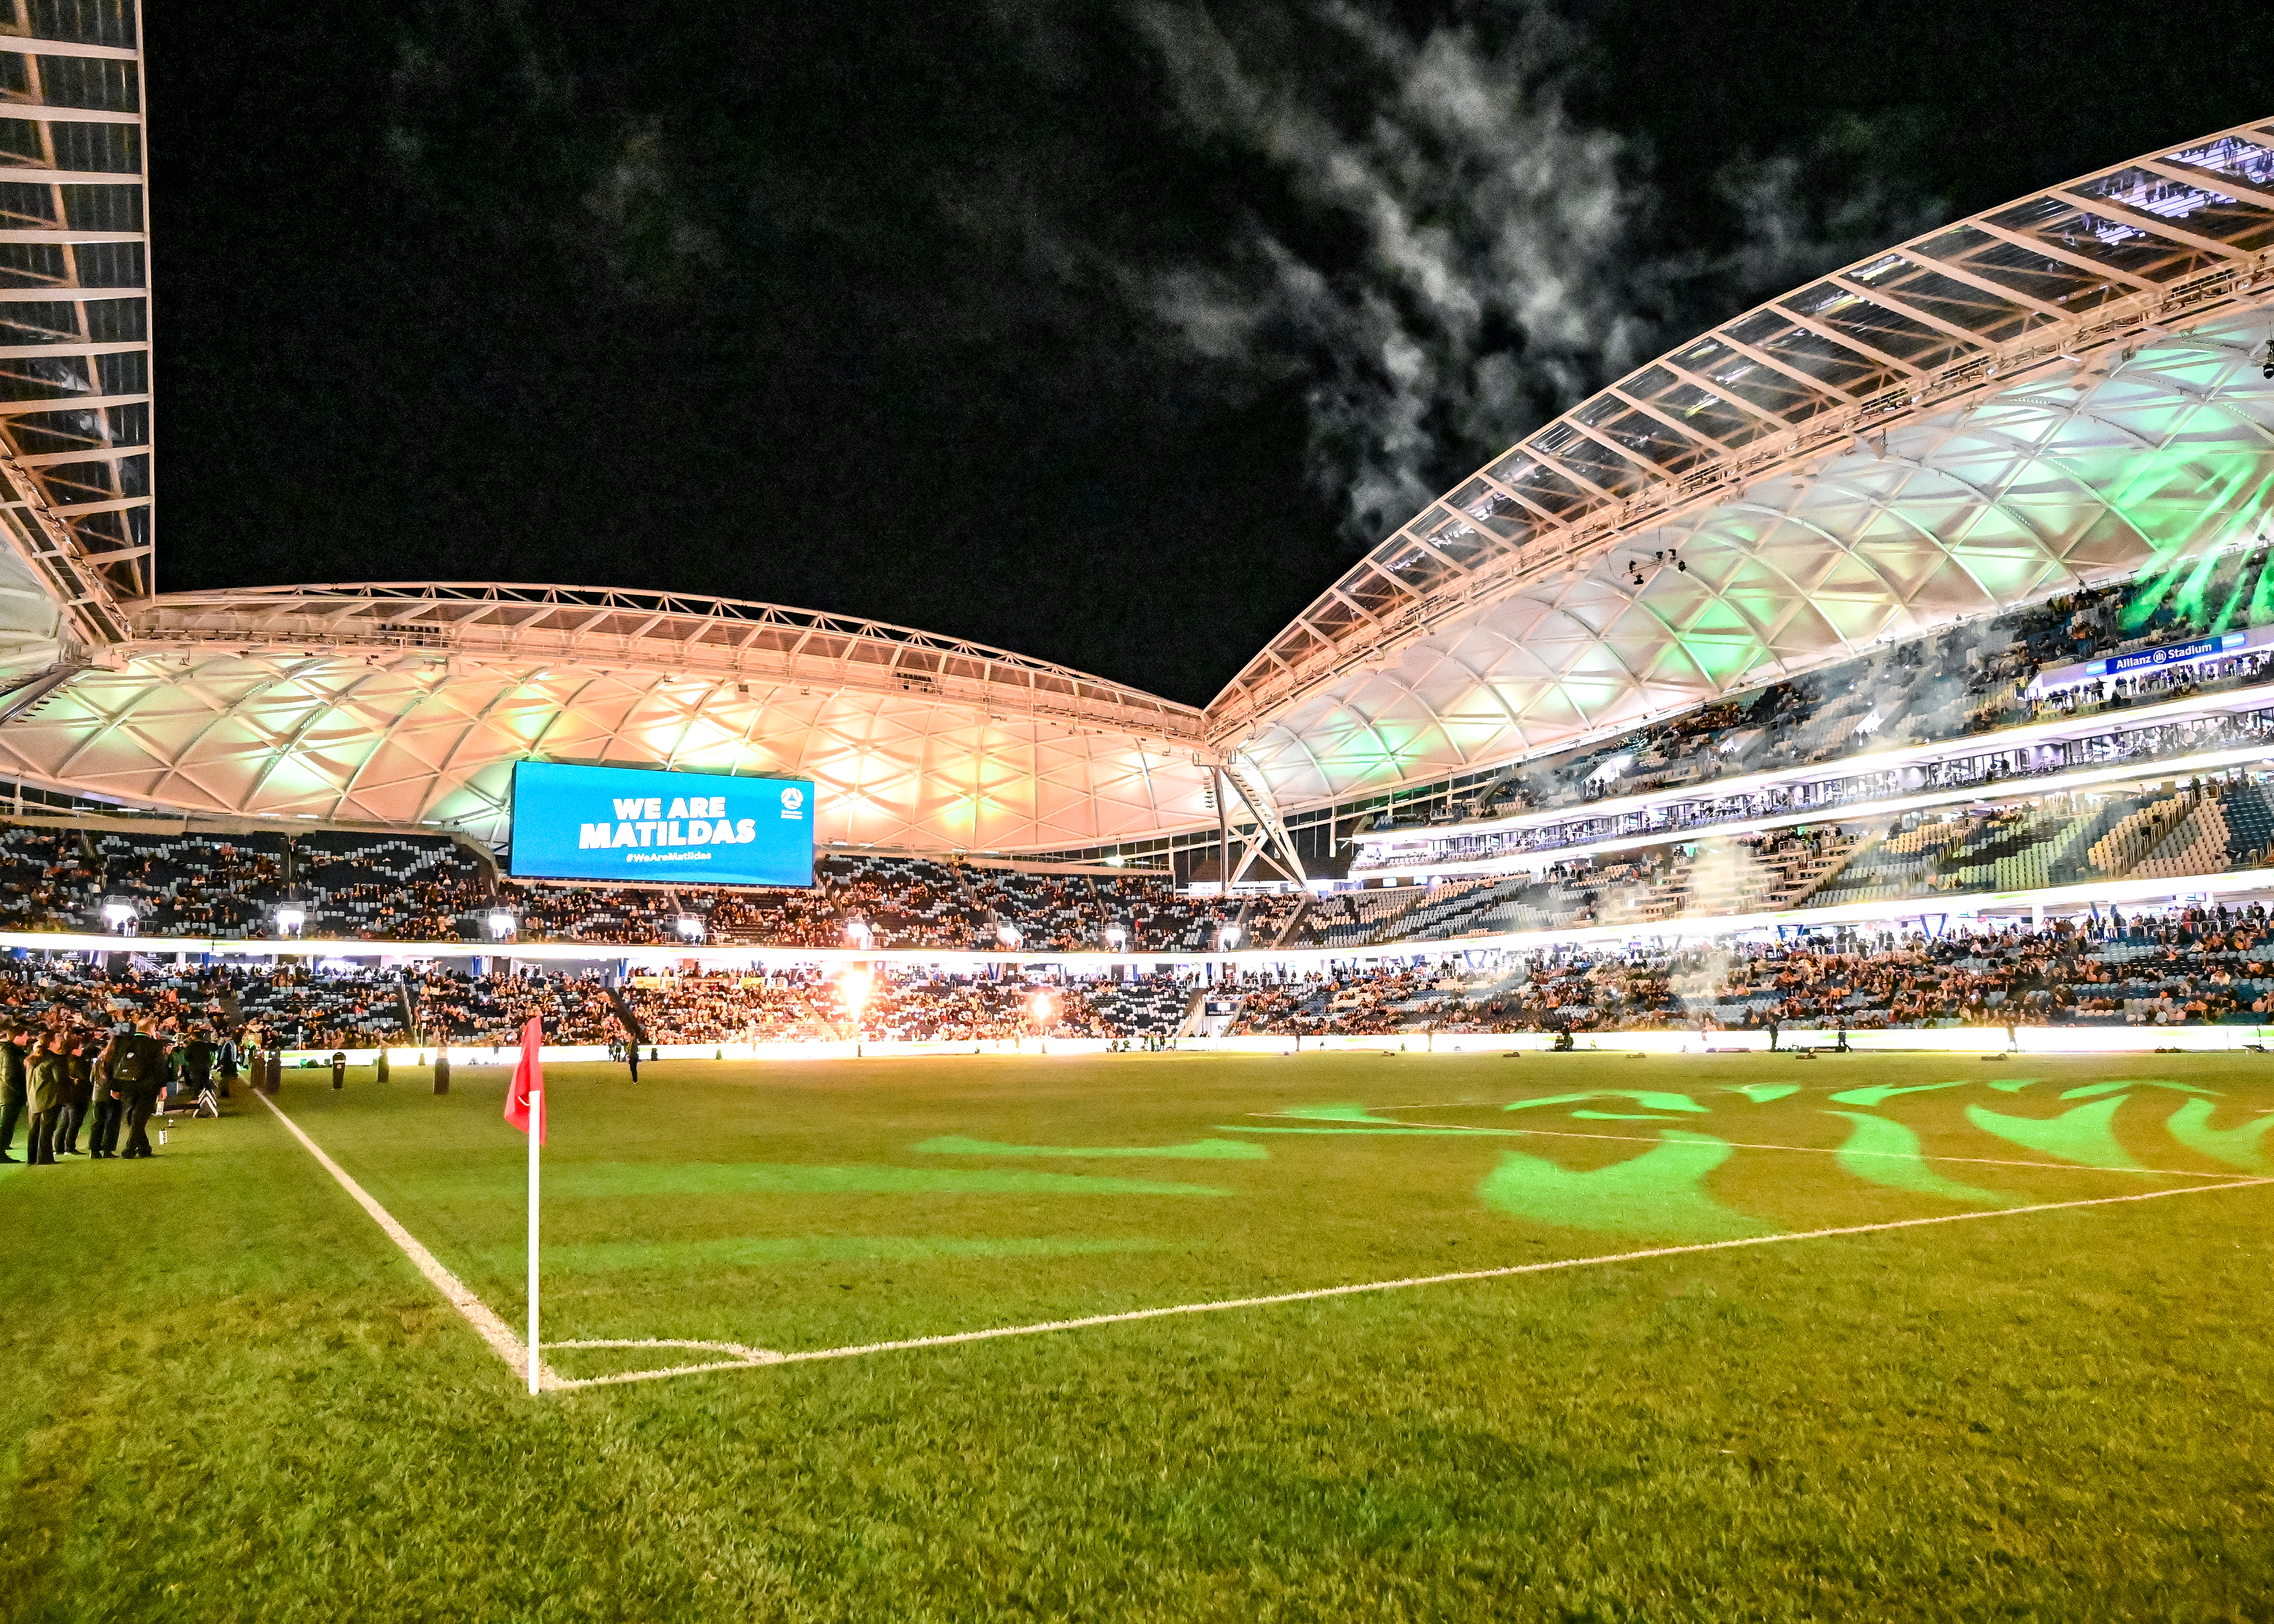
pixel 528 1080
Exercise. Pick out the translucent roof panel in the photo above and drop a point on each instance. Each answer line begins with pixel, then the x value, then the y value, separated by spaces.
pixel 406 705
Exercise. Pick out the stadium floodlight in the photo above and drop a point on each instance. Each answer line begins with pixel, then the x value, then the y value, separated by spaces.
pixel 691 927
pixel 502 923
pixel 1116 937
pixel 1042 1009
pixel 118 912
pixel 1008 935
pixel 854 989
pixel 1227 938
pixel 860 932
pixel 292 919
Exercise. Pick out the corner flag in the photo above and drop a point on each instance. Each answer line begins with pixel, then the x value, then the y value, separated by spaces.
pixel 524 1100
pixel 528 1081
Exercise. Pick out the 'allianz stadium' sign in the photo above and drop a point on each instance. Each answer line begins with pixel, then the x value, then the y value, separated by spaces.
pixel 2152 660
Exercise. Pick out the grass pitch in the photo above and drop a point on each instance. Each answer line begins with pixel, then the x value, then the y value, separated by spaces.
pixel 232 1397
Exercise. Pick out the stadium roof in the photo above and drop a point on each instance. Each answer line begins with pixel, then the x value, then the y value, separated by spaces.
pixel 408 704
pixel 75 316
pixel 2063 387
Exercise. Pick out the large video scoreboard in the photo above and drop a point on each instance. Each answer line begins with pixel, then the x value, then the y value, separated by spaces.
pixel 659 828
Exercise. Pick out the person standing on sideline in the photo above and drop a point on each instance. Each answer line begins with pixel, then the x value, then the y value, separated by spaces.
pixel 226 1058
pixel 442 1070
pixel 339 1068
pixel 379 1070
pixel 197 1061
pixel 80 1096
pixel 47 1075
pixel 109 1106
pixel 141 1068
pixel 14 1051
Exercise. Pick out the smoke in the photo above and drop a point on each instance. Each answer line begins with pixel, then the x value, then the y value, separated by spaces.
pixel 1403 225
pixel 1450 268
pixel 1457 257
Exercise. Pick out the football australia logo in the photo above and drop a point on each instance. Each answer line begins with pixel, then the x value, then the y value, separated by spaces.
pixel 793 802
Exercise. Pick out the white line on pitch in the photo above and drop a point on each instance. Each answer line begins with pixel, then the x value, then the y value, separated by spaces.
pixel 1322 1292
pixel 493 1330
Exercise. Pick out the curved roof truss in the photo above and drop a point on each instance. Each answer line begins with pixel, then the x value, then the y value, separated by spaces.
pixel 665 632
pixel 75 485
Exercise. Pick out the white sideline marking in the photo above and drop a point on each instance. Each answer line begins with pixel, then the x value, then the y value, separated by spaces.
pixel 1322 1292
pixel 1812 1150
pixel 493 1330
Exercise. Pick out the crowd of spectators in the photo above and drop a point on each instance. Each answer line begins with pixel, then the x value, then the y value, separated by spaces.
pixel 337 886
pixel 2193 966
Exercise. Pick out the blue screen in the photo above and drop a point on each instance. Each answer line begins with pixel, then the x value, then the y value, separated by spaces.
pixel 660 828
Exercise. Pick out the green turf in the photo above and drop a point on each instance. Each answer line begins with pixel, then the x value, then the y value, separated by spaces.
pixel 232 1398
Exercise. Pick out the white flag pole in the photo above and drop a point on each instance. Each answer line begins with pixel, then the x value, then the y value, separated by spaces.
pixel 536 1116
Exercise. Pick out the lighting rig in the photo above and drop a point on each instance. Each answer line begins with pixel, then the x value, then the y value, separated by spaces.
pixel 1661 558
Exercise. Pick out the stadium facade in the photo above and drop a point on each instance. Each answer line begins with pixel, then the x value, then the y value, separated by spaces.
pixel 2062 394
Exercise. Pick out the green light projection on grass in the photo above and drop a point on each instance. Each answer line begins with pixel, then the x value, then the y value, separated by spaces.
pixel 775 1251
pixel 1658 1195
pixel 1355 1132
pixel 2013 1085
pixel 1198 1150
pixel 1650 1099
pixel 1766 1093
pixel 1882 1151
pixel 2093 1091
pixel 1348 1111
pixel 2238 1147
pixel 1888 1091
pixel 2085 1136
pixel 608 1180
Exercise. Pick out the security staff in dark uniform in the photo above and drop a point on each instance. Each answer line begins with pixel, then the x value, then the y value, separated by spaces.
pixel 46 1076
pixel 15 1048
pixel 339 1068
pixel 140 1068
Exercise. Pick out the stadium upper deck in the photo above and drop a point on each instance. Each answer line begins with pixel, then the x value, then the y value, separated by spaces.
pixel 2062 392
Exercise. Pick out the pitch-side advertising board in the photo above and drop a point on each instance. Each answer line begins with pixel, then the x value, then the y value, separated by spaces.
pixel 659 828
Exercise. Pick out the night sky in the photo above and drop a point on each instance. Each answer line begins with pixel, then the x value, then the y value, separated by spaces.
pixel 1111 334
